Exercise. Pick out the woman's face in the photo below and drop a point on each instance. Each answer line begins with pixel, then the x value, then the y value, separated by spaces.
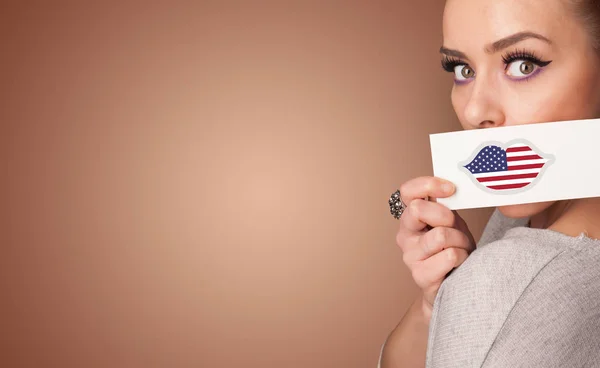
pixel 519 62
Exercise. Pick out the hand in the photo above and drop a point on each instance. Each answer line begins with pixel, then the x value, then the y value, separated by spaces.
pixel 434 239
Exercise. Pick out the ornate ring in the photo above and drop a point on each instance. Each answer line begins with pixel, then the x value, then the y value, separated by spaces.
pixel 397 207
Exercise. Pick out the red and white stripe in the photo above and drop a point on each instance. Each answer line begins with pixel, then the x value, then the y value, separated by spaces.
pixel 524 165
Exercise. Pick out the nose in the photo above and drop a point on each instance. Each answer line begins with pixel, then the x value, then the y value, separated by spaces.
pixel 483 109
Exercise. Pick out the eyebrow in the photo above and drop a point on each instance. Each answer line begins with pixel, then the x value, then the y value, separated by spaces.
pixel 498 45
pixel 511 40
pixel 454 53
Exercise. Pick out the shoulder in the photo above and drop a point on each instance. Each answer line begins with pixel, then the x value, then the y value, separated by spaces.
pixel 524 263
pixel 520 258
pixel 520 251
pixel 556 316
pixel 497 226
pixel 474 302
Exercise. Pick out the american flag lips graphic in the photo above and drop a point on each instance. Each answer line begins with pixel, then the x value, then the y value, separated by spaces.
pixel 500 169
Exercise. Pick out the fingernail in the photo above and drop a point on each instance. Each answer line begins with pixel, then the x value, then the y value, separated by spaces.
pixel 447 187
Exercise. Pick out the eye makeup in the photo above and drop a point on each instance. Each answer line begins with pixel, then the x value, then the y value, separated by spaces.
pixel 517 55
pixel 450 64
pixel 524 55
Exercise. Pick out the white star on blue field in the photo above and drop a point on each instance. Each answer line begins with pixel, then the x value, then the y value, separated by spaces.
pixel 489 159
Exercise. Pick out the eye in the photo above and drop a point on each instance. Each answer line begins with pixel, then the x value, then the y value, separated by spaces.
pixel 523 64
pixel 463 72
pixel 520 68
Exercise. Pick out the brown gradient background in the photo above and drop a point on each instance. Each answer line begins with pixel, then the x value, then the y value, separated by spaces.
pixel 206 185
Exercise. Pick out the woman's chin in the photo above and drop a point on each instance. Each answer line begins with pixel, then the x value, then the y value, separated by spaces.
pixel 524 210
pixel 516 211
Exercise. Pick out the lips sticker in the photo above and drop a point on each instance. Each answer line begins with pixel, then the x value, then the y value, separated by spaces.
pixel 507 170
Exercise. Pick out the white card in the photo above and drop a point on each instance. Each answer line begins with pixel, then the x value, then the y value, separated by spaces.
pixel 519 164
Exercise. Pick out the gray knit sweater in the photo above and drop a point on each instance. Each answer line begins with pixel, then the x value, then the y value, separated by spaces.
pixel 524 298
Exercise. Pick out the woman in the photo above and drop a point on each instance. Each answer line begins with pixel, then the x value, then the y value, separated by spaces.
pixel 531 296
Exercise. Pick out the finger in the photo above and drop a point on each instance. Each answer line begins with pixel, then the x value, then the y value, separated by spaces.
pixel 407 240
pixel 435 241
pixel 425 186
pixel 421 213
pixel 438 239
pixel 460 223
pixel 433 270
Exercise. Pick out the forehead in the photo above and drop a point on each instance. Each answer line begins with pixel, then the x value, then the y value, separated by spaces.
pixel 473 23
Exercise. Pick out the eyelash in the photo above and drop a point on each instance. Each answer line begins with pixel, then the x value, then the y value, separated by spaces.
pixel 450 63
pixel 513 56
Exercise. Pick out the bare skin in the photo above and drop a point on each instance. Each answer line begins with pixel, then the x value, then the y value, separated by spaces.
pixel 514 62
